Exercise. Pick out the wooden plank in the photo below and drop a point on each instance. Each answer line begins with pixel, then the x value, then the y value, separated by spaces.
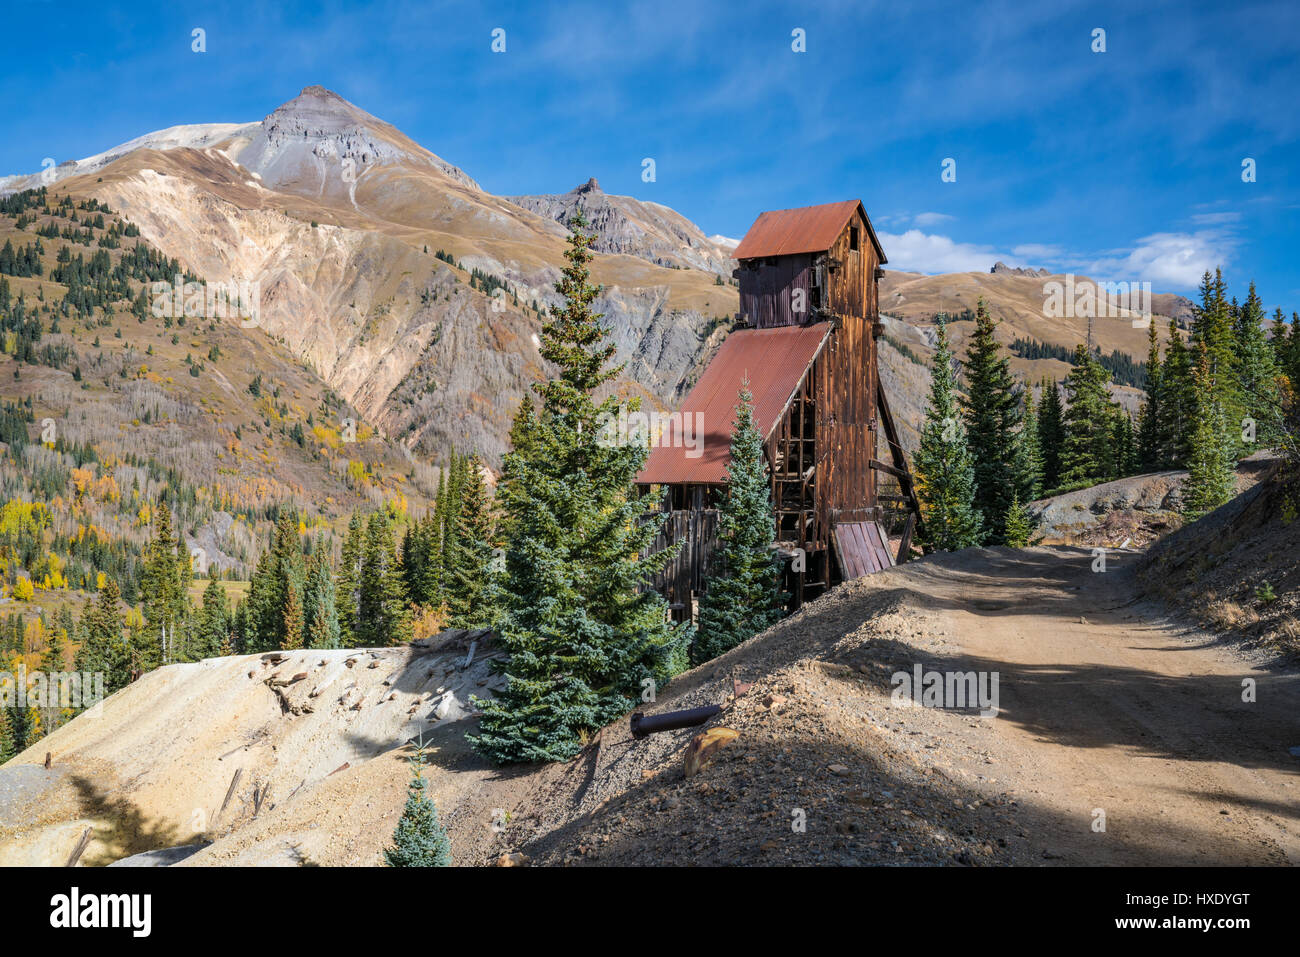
pixel 905 546
pixel 898 473
pixel 875 549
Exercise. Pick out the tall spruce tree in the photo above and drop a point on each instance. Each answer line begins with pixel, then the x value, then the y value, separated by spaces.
pixel 992 410
pixel 581 631
pixel 1029 454
pixel 214 621
pixel 1210 465
pixel 321 612
pixel 105 647
pixel 348 596
pixel 1216 376
pixel 744 596
pixel 945 474
pixel 1258 372
pixel 471 591
pixel 1051 433
pixel 1087 452
pixel 163 583
pixel 383 615
pixel 1151 454
pixel 1176 413
pixel 280 571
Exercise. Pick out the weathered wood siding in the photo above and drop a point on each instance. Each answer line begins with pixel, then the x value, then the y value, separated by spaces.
pixel 767 288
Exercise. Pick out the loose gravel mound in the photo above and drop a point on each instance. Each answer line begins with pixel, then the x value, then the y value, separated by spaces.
pixel 1237 570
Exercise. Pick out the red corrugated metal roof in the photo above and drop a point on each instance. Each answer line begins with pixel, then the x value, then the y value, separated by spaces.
pixel 774 360
pixel 808 229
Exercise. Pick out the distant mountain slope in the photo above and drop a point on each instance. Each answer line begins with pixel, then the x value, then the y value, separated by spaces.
pixel 417 296
pixel 627 225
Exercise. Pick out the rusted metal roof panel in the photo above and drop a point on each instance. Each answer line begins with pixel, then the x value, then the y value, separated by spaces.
pixel 774 360
pixel 862 548
pixel 808 229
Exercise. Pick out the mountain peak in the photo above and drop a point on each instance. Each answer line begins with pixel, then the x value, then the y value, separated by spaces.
pixel 318 103
pixel 1000 268
pixel 590 186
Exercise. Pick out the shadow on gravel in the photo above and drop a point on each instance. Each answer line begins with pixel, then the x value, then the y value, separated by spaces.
pixel 740 811
pixel 128 830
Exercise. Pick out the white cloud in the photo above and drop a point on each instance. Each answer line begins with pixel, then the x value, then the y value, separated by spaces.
pixel 1169 259
pixel 915 251
pixel 931 219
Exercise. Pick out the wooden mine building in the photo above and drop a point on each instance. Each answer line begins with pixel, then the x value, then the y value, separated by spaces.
pixel 806 342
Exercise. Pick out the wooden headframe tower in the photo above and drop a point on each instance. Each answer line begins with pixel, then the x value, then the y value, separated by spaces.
pixel 806 344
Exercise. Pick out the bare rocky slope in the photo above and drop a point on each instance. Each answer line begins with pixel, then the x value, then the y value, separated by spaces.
pixel 626 225
pixel 339 217
pixel 1238 569
pixel 1136 510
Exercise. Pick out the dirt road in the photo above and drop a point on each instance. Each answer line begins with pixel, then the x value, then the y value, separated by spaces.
pixel 1108 707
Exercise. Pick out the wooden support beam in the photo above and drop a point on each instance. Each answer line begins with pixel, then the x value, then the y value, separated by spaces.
pixel 905 545
pixel 880 466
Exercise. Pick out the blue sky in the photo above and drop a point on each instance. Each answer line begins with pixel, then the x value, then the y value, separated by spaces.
pixel 1123 165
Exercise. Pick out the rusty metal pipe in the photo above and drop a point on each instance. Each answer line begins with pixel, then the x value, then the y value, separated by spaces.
pixel 671 720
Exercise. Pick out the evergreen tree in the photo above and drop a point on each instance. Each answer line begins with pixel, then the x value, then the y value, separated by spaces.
pixel 992 411
pixel 214 621
pixel 1258 372
pixel 54 657
pixel 279 572
pixel 16 731
pixel 744 597
pixel 1087 449
pixel 1176 413
pixel 1210 465
pixel 419 839
pixel 1217 375
pixel 163 582
pixel 1029 454
pixel 348 594
pixel 581 631
pixel 470 592
pixel 1020 524
pixel 1051 433
pixel 1124 451
pixel 945 474
pixel 1152 455
pixel 293 621
pixel 105 648
pixel 383 618
pixel 321 612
